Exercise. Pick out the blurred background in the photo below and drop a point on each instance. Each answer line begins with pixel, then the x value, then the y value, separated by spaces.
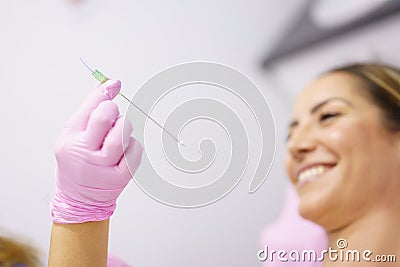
pixel 43 82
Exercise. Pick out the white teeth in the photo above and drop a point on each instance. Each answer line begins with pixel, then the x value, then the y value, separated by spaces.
pixel 313 171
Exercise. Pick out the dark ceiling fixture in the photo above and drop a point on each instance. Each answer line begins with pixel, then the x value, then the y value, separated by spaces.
pixel 322 20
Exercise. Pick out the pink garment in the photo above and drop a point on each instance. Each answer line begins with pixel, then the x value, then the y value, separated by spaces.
pixel 292 232
pixel 91 168
pixel 114 261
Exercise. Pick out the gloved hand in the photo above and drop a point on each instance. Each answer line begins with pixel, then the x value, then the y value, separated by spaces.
pixel 91 168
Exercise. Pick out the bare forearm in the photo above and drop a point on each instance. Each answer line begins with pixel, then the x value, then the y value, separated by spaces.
pixel 83 244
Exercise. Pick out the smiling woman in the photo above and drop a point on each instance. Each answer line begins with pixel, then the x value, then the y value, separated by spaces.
pixel 344 156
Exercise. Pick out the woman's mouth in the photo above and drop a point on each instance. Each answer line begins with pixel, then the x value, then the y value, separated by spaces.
pixel 311 173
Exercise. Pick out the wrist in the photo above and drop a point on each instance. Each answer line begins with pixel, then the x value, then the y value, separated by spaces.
pixel 64 210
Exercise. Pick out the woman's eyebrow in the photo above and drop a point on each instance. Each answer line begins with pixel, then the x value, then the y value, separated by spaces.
pixel 321 104
pixel 294 123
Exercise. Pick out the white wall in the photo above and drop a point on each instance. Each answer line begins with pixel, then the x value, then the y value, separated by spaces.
pixel 376 42
pixel 43 82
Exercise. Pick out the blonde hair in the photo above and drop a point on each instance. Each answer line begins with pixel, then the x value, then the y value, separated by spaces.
pixel 14 252
pixel 382 85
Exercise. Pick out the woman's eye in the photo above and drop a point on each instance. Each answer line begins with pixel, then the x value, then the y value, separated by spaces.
pixel 328 115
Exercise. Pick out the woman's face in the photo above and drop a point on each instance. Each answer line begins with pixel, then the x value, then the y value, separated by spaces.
pixel 342 160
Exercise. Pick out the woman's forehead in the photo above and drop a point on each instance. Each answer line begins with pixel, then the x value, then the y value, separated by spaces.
pixel 331 85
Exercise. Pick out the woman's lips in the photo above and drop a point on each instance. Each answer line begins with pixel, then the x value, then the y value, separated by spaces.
pixel 312 172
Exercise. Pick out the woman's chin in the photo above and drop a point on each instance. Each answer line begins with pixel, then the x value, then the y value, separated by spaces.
pixel 314 207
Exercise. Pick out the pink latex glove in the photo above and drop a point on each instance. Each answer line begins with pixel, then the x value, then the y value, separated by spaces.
pixel 292 232
pixel 91 169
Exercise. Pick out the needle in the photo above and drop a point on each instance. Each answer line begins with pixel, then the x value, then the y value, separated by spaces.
pixel 102 79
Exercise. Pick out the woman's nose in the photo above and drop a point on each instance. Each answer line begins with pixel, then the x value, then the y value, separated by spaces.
pixel 301 143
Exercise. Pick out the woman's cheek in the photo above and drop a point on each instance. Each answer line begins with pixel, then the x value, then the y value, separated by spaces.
pixel 338 138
